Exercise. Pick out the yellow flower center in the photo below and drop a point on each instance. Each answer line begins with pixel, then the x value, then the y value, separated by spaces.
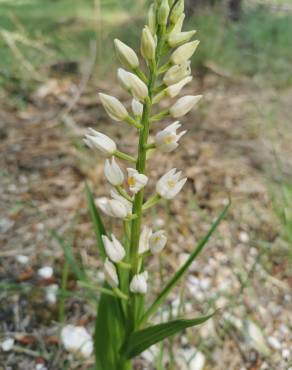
pixel 168 139
pixel 156 239
pixel 131 181
pixel 171 183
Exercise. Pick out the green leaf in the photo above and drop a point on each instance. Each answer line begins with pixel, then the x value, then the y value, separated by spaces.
pixel 99 228
pixel 179 274
pixel 140 340
pixel 109 333
pixel 76 267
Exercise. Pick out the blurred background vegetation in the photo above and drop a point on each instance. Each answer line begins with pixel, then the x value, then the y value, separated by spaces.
pixel 244 38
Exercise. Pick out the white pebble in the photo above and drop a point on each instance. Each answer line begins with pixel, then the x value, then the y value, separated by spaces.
pixel 51 293
pixel 244 237
pixel 198 362
pixel 286 353
pixel 46 272
pixel 76 339
pixel 274 343
pixel 41 367
pixel 23 260
pixel 7 344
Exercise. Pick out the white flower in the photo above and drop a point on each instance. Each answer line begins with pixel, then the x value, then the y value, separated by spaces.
pixel 7 344
pixel 113 107
pixel 148 44
pixel 169 185
pixel 158 241
pixel 136 180
pixel 112 207
pixel 184 105
pixel 177 11
pixel 133 84
pixel 179 38
pixel 126 55
pixel 23 260
pixel 184 52
pixel 114 248
pixel 46 272
pixel 167 139
pixel 115 195
pixel 175 89
pixel 144 240
pixel 139 283
pixel 176 73
pixel 76 339
pixel 163 12
pixel 51 293
pixel 110 274
pixel 113 172
pixel 152 19
pixel 137 107
pixel 103 143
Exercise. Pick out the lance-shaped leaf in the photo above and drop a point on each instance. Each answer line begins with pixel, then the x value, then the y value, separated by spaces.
pixel 179 274
pixel 96 220
pixel 140 340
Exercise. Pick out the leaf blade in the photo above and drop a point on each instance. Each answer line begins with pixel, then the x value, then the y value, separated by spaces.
pixel 99 228
pixel 178 275
pixel 140 340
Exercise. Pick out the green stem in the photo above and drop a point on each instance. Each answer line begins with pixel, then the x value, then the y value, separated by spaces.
pixel 134 306
pixel 124 156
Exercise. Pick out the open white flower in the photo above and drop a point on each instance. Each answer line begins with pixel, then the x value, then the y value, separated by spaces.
pixel 167 139
pixel 158 241
pixel 103 143
pixel 76 339
pixel 177 72
pixel 113 107
pixel 144 240
pixel 136 180
pixel 110 274
pixel 184 105
pixel 138 284
pixel 137 107
pixel 46 272
pixel 114 248
pixel 126 55
pixel 184 52
pixel 169 185
pixel 113 172
pixel 112 207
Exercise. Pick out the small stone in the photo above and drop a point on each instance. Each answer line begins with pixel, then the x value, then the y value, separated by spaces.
pixel 274 343
pixel 23 260
pixel 46 272
pixel 286 353
pixel 244 237
pixel 7 344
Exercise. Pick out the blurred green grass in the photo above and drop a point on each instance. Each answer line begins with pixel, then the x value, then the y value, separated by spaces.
pixel 259 46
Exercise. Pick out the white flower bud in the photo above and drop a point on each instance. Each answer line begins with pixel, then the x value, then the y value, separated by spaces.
pixel 167 139
pixel 144 240
pixel 169 185
pixel 177 11
pixel 113 107
pixel 126 55
pixel 138 284
pixel 178 25
pixel 112 207
pixel 148 44
pixel 76 339
pixel 184 105
pixel 136 180
pixel 175 89
pixel 176 73
pixel 123 77
pixel 110 274
pixel 179 38
pixel 137 107
pixel 163 12
pixel 184 52
pixel 103 143
pixel 113 172
pixel 114 248
pixel 158 241
pixel 138 88
pixel 152 19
